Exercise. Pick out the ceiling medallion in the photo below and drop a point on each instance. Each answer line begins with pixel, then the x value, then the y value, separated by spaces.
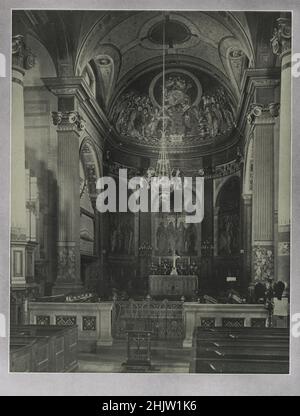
pixel 175 32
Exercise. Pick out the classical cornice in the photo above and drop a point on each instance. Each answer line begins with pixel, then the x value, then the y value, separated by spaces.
pixel 254 79
pixel 190 152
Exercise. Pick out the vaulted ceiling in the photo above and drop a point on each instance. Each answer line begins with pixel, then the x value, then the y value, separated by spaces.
pixel 123 52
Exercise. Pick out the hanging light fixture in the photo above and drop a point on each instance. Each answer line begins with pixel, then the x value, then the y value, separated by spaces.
pixel 163 166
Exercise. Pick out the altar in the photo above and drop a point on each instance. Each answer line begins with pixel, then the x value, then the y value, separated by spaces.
pixel 173 285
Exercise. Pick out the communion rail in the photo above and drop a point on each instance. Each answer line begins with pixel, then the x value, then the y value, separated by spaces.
pixel 164 319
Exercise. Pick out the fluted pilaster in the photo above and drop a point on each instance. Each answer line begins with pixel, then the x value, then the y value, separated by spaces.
pixel 69 126
pixel 281 45
pixel 263 120
pixel 22 252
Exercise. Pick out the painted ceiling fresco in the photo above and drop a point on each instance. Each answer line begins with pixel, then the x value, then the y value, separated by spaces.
pixel 197 109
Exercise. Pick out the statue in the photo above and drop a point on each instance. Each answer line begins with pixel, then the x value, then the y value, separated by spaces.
pixel 161 238
pixel 191 238
pixel 180 236
pixel 171 237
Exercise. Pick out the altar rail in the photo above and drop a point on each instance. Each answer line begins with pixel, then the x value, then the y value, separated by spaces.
pixel 164 319
pixel 36 348
pixel 93 319
pixel 221 315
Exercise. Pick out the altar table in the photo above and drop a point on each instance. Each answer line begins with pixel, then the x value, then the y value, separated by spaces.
pixel 168 285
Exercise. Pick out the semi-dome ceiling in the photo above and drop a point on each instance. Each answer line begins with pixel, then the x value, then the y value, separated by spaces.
pixel 197 111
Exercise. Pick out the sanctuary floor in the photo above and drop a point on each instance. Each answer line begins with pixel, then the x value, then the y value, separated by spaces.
pixel 166 358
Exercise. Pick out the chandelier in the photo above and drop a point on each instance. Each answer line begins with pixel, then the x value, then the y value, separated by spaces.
pixel 163 170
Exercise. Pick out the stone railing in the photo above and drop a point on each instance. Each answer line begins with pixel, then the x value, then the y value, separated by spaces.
pixel 218 315
pixel 92 319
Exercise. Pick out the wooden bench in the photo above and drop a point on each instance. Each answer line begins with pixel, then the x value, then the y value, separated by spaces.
pixel 39 348
pixel 240 350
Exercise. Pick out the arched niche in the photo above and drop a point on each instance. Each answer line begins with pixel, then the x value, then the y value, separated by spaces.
pixel 227 224
pixel 89 171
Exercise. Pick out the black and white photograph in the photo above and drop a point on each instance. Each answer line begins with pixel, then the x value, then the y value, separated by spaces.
pixel 150 213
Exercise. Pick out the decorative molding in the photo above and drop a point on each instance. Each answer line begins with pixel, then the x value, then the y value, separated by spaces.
pixel 43 319
pixel 284 248
pixel 18 81
pixel 282 35
pixel 263 263
pixel 18 234
pixel 207 322
pixel 65 320
pixel 227 169
pixel 233 322
pixel 89 323
pixel 113 169
pixel 68 120
pixel 66 263
pixel 22 57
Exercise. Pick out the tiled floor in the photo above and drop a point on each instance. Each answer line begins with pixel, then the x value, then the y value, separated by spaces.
pixel 165 358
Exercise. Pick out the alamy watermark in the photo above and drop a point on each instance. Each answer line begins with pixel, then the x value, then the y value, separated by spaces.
pixel 155 194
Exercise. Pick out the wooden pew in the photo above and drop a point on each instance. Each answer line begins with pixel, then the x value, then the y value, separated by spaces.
pixel 43 348
pixel 240 350
pixel 242 366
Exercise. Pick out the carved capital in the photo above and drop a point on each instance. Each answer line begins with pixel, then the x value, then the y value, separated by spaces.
pixel 282 34
pixel 263 114
pixel 22 56
pixel 68 120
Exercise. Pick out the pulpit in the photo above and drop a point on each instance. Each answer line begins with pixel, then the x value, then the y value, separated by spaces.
pixel 173 285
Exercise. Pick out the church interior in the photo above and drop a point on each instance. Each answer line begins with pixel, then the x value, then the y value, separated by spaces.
pixel 181 94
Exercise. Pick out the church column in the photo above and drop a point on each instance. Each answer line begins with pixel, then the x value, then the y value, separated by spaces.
pixel 262 117
pixel 281 44
pixel 69 125
pixel 22 250
pixel 209 275
pixel 247 237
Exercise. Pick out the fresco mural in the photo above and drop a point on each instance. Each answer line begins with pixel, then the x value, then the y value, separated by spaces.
pixel 172 234
pixel 190 114
pixel 122 233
